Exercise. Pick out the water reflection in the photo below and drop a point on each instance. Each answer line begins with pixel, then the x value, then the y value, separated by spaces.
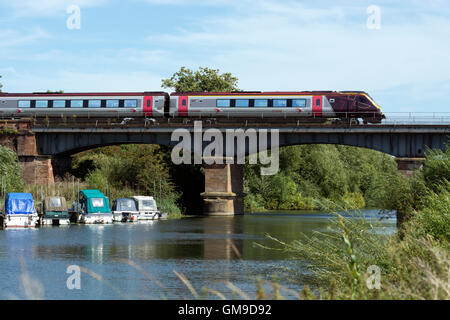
pixel 208 250
pixel 218 239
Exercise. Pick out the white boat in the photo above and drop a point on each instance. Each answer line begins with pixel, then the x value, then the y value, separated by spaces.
pixel 147 208
pixel 124 210
pixel 19 211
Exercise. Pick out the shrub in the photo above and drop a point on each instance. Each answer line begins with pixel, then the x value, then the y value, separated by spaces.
pixel 10 171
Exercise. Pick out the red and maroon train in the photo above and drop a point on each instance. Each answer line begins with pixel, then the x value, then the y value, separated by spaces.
pixel 308 105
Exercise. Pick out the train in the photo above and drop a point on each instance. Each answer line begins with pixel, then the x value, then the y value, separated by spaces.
pixel 344 106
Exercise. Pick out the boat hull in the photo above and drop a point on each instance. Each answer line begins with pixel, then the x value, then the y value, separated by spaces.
pixel 55 221
pixel 120 216
pixel 96 218
pixel 20 221
pixel 147 216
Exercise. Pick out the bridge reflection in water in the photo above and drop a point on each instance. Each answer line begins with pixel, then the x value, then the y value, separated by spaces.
pixel 209 251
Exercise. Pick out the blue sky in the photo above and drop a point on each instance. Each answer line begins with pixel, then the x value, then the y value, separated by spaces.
pixel 267 44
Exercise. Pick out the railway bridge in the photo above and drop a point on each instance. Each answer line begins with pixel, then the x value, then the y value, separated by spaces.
pixel 44 146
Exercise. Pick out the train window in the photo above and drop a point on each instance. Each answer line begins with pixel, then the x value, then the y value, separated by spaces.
pixel 261 103
pixel 94 103
pixel 299 103
pixel 183 102
pixel 242 103
pixel 318 102
pixel 130 103
pixel 76 103
pixel 59 103
pixel 41 103
pixel 279 103
pixel 112 103
pixel 149 102
pixel 223 103
pixel 24 104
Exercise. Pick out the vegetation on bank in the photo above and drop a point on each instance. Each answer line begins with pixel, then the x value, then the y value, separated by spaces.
pixel 413 264
pixel 127 170
pixel 315 177
pixel 10 172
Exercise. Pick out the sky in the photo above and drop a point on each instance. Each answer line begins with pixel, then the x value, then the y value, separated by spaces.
pixel 397 51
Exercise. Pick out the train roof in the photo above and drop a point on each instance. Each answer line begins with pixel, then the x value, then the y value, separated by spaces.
pixel 82 94
pixel 265 93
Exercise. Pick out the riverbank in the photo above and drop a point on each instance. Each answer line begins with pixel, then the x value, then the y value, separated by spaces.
pixel 355 261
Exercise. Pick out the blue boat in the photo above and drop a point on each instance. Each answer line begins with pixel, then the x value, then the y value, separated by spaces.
pixel 19 211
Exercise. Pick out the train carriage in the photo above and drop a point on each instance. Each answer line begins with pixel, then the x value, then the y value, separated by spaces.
pixel 135 104
pixel 317 105
pixel 307 105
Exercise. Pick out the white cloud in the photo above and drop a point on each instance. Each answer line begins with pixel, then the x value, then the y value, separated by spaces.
pixel 77 81
pixel 14 38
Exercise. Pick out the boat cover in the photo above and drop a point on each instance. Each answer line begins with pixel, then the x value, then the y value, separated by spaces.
pixel 125 204
pixel 55 204
pixel 96 201
pixel 19 203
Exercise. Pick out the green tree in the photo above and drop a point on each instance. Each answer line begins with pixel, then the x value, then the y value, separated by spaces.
pixel 202 80
pixel 189 179
pixel 10 171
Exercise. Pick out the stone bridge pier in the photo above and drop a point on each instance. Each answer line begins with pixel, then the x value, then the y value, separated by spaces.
pixel 224 189
pixel 406 166
pixel 18 137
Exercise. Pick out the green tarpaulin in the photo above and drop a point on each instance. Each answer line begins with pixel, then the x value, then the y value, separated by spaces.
pixel 96 202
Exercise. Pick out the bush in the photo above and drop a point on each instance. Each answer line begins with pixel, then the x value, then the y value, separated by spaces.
pixel 10 171
pixel 326 176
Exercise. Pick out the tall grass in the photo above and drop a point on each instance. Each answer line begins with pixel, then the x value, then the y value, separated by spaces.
pixel 415 265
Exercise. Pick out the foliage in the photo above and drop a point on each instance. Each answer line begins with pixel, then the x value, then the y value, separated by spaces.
pixel 311 176
pixel 202 80
pixel 56 91
pixel 436 170
pixel 414 264
pixel 10 171
pixel 128 170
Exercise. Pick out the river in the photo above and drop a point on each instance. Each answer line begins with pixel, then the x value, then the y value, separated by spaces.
pixel 217 253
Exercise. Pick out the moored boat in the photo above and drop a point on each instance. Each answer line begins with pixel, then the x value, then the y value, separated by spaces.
pixel 19 211
pixel 92 207
pixel 148 210
pixel 54 211
pixel 124 210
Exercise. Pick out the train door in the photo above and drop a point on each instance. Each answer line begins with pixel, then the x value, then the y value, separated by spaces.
pixel 317 106
pixel 148 105
pixel 182 105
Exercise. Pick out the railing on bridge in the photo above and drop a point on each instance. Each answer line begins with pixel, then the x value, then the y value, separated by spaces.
pixel 392 118
pixel 438 118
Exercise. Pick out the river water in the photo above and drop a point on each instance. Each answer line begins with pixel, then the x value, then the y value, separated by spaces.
pixel 141 261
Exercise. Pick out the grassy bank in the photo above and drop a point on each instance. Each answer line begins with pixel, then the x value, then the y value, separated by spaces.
pixel 413 264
